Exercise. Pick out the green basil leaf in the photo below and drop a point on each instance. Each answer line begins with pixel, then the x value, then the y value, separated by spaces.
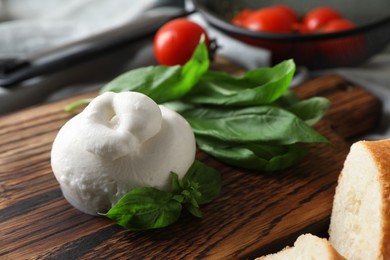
pixel 145 208
pixel 193 200
pixel 256 156
pixel 195 211
pixel 288 99
pixel 310 110
pixel 179 106
pixel 163 83
pixel 253 124
pixel 148 208
pixel 204 180
pixel 76 104
pixel 260 86
pixel 179 198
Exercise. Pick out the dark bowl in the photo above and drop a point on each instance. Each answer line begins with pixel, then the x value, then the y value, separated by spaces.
pixel 347 48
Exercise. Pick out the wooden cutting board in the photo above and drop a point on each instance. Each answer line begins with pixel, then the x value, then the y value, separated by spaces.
pixel 255 214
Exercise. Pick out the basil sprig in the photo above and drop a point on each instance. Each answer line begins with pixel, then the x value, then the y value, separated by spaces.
pixel 251 121
pixel 149 208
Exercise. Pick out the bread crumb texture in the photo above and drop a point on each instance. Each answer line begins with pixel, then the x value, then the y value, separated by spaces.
pixel 359 227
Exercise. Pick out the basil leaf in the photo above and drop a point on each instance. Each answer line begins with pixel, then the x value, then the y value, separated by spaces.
pixel 148 208
pixel 163 83
pixel 253 124
pixel 255 156
pixel 76 104
pixel 288 99
pixel 179 106
pixel 145 208
pixel 260 86
pixel 310 110
pixel 203 179
pixel 195 211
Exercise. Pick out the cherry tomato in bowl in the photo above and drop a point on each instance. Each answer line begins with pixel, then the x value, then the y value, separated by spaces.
pixel 319 17
pixel 372 20
pixel 269 20
pixel 287 11
pixel 272 19
pixel 264 20
pixel 241 16
pixel 175 42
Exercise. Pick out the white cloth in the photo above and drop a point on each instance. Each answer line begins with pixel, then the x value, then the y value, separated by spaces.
pixel 33 26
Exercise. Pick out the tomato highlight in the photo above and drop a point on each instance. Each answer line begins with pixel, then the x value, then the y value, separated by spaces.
pixel 319 17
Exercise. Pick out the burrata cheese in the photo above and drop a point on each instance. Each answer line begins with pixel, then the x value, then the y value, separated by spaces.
pixel 118 142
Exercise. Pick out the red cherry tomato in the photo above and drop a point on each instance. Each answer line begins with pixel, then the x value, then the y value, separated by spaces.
pixel 245 13
pixel 287 11
pixel 318 17
pixel 337 25
pixel 269 20
pixel 345 50
pixel 175 42
pixel 239 18
pixel 273 19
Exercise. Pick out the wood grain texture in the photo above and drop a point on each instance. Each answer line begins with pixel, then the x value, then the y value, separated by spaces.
pixel 255 214
pixel 354 110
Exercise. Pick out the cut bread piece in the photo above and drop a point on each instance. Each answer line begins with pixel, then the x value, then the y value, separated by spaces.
pixel 360 220
pixel 306 247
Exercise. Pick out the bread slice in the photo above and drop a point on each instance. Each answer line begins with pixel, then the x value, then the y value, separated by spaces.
pixel 306 247
pixel 360 220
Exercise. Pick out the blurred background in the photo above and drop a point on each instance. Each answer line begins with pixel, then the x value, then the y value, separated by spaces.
pixel 52 49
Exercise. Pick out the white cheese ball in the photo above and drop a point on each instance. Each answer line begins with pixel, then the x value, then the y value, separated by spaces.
pixel 119 142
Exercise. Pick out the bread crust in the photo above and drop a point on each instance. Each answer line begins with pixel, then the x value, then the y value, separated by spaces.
pixel 334 255
pixel 380 152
